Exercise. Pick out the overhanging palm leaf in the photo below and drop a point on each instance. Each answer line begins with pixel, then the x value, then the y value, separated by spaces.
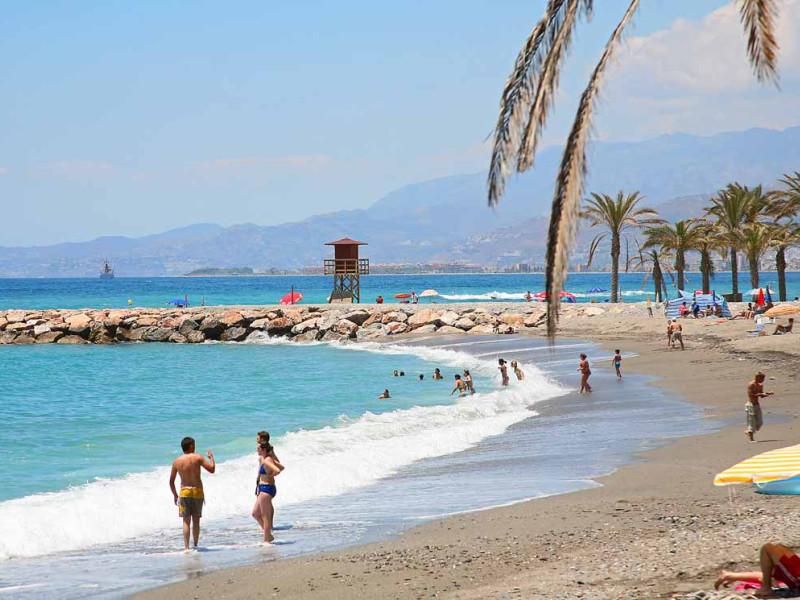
pixel 527 99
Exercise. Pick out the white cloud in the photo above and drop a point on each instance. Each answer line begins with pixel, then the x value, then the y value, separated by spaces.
pixel 4 171
pixel 311 162
pixel 79 170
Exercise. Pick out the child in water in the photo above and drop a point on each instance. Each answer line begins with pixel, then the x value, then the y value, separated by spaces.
pixel 617 362
pixel 385 395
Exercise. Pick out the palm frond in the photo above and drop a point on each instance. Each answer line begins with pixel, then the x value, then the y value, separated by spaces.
pixel 593 247
pixel 516 95
pixel 547 86
pixel 758 18
pixel 569 184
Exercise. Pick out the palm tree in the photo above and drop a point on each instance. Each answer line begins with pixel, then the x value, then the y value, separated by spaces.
pixel 618 215
pixel 528 97
pixel 707 243
pixel 653 261
pixel 756 239
pixel 681 237
pixel 785 209
pixel 729 210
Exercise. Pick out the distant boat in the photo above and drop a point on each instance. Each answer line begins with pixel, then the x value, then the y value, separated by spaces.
pixel 107 270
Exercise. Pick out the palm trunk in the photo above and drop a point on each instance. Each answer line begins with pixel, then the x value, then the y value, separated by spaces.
pixel 780 266
pixel 705 267
pixel 615 252
pixel 680 265
pixel 734 272
pixel 753 262
pixel 657 281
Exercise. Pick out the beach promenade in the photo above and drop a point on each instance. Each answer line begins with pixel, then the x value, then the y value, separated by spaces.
pixel 655 529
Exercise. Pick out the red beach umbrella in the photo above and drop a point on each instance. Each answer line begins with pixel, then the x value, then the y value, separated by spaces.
pixel 292 298
pixel 760 301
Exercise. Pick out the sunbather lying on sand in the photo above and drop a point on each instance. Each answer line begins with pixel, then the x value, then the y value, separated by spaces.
pixel 777 562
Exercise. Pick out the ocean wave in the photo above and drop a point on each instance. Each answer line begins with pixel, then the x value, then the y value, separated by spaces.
pixel 521 295
pixel 320 463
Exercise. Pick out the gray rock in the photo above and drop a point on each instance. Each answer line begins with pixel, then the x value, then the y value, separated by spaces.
pixel 465 323
pixel 212 328
pixel 137 334
pixel 157 334
pixel 308 336
pixel 15 316
pixel 280 326
pixel 49 337
pixel 234 334
pixel 332 336
pixel 448 330
pixel 430 328
pixel 25 339
pixel 195 337
pixel 72 339
pixel 357 316
pixel 177 338
pixel 260 323
pixel 7 337
pixel 187 326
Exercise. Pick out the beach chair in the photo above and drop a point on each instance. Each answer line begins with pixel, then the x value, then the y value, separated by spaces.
pixel 757 331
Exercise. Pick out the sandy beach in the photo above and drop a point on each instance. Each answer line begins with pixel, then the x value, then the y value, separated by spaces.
pixel 654 529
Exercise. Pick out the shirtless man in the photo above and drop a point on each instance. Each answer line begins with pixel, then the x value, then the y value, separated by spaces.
pixel 190 499
pixel 676 331
pixel 755 391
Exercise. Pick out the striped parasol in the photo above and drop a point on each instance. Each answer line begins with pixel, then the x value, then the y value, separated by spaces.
pixel 782 310
pixel 775 465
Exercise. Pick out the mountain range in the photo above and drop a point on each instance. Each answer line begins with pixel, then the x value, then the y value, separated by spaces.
pixel 444 219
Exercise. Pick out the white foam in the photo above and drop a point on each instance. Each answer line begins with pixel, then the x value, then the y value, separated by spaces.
pixel 320 463
pixel 487 296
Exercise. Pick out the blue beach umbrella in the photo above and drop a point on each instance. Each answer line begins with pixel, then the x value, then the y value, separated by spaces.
pixel 768 294
pixel 177 302
pixel 595 290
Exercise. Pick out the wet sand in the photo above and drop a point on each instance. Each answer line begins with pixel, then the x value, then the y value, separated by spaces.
pixel 654 528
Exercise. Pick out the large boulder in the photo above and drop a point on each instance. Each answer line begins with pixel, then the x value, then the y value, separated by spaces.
pixel 18 327
pixel 25 339
pixel 308 336
pixel 157 334
pixel 136 334
pixel 357 316
pixel 187 326
pixel 234 334
pixel 195 337
pixel 305 326
pixel 49 337
pixel 40 329
pixel 15 316
pixel 280 326
pixel 72 339
pixel 512 319
pixel 465 323
pixel 449 330
pixel 333 336
pixel 3 323
pixel 260 323
pixel 449 318
pixel 424 329
pixel 347 328
pixel 327 322
pixel 146 321
pixel 395 328
pixel 372 331
pixel 232 319
pixel 295 315
pixel 8 337
pixel 534 319
pixel 486 328
pixel 79 324
pixel 423 317
pixel 394 316
pixel 212 328
pixel 372 318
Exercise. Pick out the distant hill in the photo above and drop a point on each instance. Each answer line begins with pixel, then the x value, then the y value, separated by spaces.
pixel 445 219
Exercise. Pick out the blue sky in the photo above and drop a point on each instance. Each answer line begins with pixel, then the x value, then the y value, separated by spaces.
pixel 131 118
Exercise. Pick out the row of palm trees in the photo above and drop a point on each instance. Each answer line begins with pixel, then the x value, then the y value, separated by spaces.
pixel 738 219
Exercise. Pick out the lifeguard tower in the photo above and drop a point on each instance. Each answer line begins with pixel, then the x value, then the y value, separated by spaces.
pixel 347 269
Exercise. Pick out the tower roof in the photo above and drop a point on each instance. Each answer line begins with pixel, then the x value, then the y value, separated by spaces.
pixel 346 242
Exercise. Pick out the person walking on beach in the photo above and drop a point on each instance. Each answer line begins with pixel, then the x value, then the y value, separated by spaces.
pixel 503 371
pixel 676 332
pixel 617 362
pixel 460 385
pixel 263 511
pixel 517 371
pixel 585 373
pixel 468 381
pixel 528 296
pixel 190 500
pixel 754 416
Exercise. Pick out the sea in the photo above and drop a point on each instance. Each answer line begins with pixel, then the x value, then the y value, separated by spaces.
pixel 89 433
pixel 211 291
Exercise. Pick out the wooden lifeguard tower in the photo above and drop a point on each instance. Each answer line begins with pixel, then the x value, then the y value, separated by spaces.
pixel 347 269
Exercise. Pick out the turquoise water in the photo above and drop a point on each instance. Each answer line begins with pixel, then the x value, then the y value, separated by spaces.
pixel 89 432
pixel 97 293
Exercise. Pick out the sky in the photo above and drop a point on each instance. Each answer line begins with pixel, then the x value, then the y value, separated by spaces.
pixel 121 118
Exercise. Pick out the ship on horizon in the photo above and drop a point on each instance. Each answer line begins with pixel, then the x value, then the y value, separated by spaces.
pixel 107 270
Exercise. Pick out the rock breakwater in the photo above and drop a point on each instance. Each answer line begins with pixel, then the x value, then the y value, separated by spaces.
pixel 236 324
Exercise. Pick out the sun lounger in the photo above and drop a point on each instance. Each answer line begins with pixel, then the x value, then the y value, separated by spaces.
pixel 757 331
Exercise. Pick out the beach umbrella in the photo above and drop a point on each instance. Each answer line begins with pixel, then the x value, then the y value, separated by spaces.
pixel 596 290
pixel 763 469
pixel 291 298
pixel 760 301
pixel 428 294
pixel 177 302
pixel 753 292
pixel 782 310
pixel 768 297
pixel 404 295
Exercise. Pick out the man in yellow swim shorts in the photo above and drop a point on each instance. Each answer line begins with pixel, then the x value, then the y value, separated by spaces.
pixel 190 499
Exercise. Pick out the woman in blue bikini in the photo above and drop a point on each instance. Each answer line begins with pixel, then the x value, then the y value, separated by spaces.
pixel 268 468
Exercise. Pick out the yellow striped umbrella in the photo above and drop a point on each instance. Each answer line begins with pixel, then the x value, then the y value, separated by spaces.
pixel 782 310
pixel 774 465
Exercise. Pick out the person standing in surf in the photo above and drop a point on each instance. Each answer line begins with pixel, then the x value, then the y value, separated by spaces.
pixel 264 511
pixel 460 385
pixel 617 362
pixel 517 371
pixel 468 381
pixel 585 373
pixel 190 500
pixel 503 371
